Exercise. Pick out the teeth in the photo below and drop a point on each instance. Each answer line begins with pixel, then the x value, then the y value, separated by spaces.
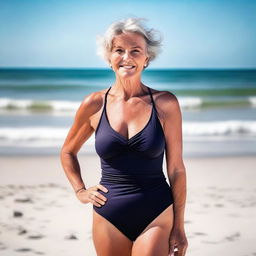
pixel 127 66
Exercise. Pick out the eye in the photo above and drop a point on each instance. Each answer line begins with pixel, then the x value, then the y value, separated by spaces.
pixel 135 51
pixel 118 50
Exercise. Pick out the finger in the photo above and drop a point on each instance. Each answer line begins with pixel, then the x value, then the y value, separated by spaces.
pixel 182 251
pixel 93 201
pixel 97 204
pixel 96 198
pixel 171 253
pixel 95 188
pixel 102 188
pixel 99 195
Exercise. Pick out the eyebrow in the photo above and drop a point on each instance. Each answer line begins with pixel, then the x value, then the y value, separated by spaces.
pixel 132 47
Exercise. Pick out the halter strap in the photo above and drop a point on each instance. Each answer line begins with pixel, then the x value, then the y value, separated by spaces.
pixel 152 100
pixel 105 100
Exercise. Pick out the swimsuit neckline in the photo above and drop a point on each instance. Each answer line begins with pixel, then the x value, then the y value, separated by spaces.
pixel 138 133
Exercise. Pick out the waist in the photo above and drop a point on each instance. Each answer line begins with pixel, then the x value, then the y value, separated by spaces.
pixel 138 178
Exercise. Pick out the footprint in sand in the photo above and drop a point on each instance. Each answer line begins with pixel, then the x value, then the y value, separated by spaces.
pixel 17 214
pixel 22 231
pixel 219 205
pixel 35 236
pixel 71 237
pixel 23 200
pixel 23 250
pixel 211 242
pixel 233 237
pixel 200 234
pixel 52 185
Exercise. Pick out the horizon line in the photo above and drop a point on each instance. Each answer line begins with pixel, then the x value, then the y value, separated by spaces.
pixel 106 68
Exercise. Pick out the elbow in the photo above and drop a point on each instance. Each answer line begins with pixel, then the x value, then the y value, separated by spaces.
pixel 177 171
pixel 64 152
pixel 180 170
pixel 176 168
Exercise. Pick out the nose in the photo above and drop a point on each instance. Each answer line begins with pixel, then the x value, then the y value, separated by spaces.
pixel 126 55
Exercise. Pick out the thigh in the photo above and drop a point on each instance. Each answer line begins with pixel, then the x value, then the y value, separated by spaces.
pixel 107 239
pixel 154 240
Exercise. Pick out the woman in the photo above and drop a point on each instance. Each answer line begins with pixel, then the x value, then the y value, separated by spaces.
pixel 135 211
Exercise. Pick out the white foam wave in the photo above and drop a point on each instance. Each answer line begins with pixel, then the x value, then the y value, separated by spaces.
pixel 55 105
pixel 219 128
pixel 196 131
pixel 34 136
pixel 252 101
pixel 59 105
pixel 62 106
pixel 190 102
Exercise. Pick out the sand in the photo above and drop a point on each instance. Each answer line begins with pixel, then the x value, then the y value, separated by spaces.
pixel 40 214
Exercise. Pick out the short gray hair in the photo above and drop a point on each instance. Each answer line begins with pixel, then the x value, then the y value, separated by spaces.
pixel 129 25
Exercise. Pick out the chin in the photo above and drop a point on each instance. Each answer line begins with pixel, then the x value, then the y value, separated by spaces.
pixel 127 74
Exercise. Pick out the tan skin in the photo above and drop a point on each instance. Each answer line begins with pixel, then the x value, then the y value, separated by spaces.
pixel 130 96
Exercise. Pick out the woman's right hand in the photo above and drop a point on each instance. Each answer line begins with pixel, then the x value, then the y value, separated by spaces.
pixel 92 195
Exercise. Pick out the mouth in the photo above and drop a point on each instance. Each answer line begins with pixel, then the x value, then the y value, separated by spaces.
pixel 127 66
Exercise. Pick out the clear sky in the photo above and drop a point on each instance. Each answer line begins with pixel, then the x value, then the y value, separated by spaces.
pixel 197 33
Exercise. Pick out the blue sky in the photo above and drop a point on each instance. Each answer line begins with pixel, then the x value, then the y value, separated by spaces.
pixel 197 34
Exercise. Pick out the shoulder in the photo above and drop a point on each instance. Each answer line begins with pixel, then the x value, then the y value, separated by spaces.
pixel 94 98
pixel 166 102
pixel 92 103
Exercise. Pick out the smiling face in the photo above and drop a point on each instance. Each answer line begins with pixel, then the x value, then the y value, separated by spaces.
pixel 128 54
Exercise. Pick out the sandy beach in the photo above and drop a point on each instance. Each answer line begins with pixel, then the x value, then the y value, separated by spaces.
pixel 40 214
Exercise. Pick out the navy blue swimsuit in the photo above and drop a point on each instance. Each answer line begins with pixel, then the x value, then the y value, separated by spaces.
pixel 132 172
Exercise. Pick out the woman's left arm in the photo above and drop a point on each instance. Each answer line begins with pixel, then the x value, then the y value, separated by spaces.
pixel 175 168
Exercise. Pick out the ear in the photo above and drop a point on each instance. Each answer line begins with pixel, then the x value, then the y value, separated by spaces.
pixel 146 61
pixel 109 63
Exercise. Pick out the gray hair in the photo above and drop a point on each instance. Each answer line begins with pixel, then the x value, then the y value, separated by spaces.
pixel 129 25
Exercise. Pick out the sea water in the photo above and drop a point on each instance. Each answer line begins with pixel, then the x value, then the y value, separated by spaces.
pixel 37 107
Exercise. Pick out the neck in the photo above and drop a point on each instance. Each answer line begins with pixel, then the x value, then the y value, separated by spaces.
pixel 128 87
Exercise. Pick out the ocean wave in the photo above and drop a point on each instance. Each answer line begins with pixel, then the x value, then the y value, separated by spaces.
pixel 219 128
pixel 48 105
pixel 252 100
pixel 10 104
pixel 34 136
pixel 192 131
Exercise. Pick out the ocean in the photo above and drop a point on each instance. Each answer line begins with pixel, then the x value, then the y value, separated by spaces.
pixel 37 107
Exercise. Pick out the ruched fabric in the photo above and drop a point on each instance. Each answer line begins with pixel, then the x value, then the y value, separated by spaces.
pixel 131 170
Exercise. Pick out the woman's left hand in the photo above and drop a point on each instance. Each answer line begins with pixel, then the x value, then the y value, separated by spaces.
pixel 178 242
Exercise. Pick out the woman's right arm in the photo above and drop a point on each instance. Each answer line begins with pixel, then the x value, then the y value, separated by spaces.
pixel 80 131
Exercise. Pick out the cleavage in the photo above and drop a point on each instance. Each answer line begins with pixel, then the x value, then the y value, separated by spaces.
pixel 127 137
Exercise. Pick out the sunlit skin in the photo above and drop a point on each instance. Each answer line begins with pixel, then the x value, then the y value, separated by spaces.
pixel 128 49
pixel 128 109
